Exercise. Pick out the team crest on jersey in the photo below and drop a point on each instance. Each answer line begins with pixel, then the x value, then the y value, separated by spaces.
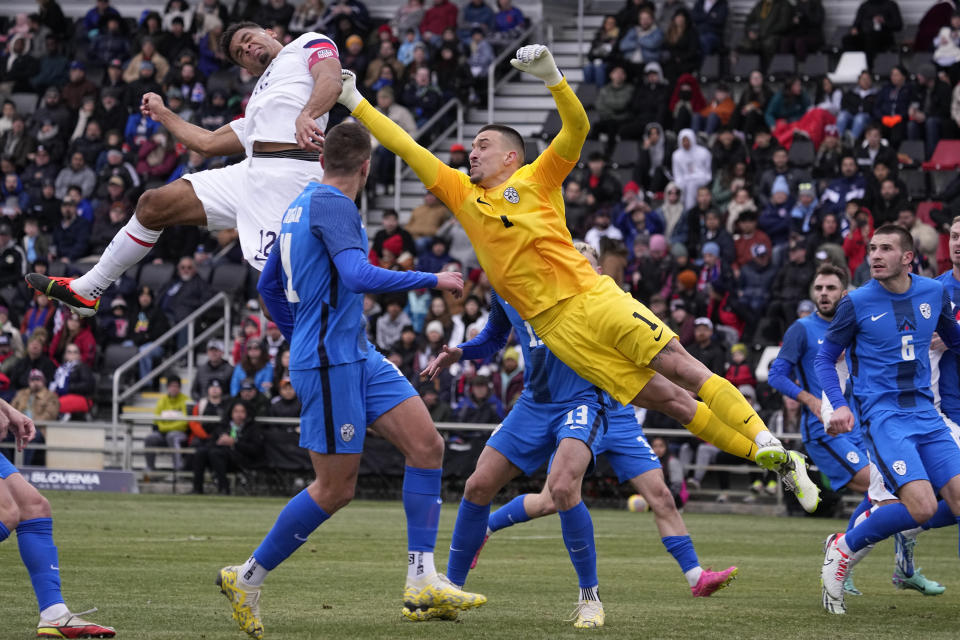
pixel 900 467
pixel 510 195
pixel 853 457
pixel 346 432
pixel 925 310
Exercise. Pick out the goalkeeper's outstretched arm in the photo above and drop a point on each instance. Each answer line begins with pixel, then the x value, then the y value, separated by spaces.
pixel 424 164
pixel 537 60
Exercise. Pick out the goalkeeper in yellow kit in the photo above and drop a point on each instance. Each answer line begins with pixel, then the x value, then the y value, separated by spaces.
pixel 513 214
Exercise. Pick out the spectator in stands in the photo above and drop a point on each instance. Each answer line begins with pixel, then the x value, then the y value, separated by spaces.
pixel 439 312
pixel 281 365
pixel 110 43
pixel 767 22
pixel 73 381
pixel 613 104
pixel 748 236
pixel 156 159
pixel 710 19
pixel 176 40
pixel 476 14
pixel 478 405
pixel 105 228
pixel 480 58
pixel 71 236
pixel 95 17
pixel 435 255
pixel 426 218
pixel 408 16
pixel 874 27
pixel 39 314
pixel 947 46
pixel 850 185
pixel 714 231
pixel 117 328
pixel 599 182
pixel 931 108
pixel 472 315
pixel 641 42
pixel 454 77
pixel 257 401
pixel 681 321
pixel 385 58
pixel 422 96
pixel 686 102
pixel 856 108
pixel 802 214
pixel 827 231
pixel 650 103
pixel 892 107
pixel 861 230
pixel 689 229
pixel 889 205
pixel 185 293
pixel 775 218
pixel 603 48
pixel 148 53
pixel 18 66
pixel 691 167
pixel 391 323
pixel 509 23
pixel 681 46
pixel 391 230
pixel 77 173
pixel 780 169
pixel 37 402
pixel 34 357
pixel 211 405
pixel 286 404
pixel 216 368
pixel 671 210
pixel 806 30
pixel 273 341
pixel 236 444
pixel 704 348
pixel 255 364
pixel 275 13
pixel 78 87
pixel 829 97
pixel 16 143
pixel 406 350
pixel 651 170
pixel 790 286
pixel 874 149
pixel 754 284
pixel 353 57
pixel 715 113
pixel 75 331
pixel 442 15
pixel 727 182
pixel 749 115
pixel 172 430
pixel 714 272
pixel 149 324
pixel 789 104
pixel 739 372
pixel 459 159
pixel 602 229
pixel 925 237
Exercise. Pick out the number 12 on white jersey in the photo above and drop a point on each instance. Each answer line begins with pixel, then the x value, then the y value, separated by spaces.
pixel 291 293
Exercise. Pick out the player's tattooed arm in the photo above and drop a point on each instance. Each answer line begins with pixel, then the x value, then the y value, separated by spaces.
pixel 222 142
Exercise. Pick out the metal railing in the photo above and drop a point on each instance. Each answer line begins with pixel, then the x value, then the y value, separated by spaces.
pixel 399 170
pixel 508 51
pixel 188 323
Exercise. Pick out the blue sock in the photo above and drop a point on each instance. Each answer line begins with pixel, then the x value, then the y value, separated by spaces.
pixel 577 528
pixel 39 554
pixel 509 514
pixel 882 523
pixel 421 503
pixel 4 532
pixel 468 533
pixel 681 548
pixel 942 518
pixel 863 506
pixel 298 520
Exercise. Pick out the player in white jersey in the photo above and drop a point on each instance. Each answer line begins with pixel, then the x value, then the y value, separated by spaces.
pixel 281 136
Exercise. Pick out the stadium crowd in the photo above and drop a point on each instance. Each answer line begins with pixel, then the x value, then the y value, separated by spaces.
pixel 714 210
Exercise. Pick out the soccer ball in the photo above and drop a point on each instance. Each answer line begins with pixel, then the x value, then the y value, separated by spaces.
pixel 637 504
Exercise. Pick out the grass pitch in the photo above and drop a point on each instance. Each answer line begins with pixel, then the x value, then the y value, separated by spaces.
pixel 148 562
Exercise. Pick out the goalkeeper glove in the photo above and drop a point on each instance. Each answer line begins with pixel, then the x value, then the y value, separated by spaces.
pixel 537 60
pixel 349 96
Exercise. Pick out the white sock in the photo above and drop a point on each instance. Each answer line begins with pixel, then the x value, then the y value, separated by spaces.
pixel 590 593
pixel 843 546
pixel 54 612
pixel 420 565
pixel 693 576
pixel 252 573
pixel 489 532
pixel 127 248
pixel 765 439
pixel 912 533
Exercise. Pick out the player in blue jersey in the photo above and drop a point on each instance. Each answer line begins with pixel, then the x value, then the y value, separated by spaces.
pixel 841 458
pixel 945 373
pixel 313 286
pixel 887 326
pixel 560 414
pixel 24 510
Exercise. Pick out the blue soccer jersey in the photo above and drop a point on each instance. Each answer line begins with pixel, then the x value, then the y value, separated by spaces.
pixel 948 382
pixel 888 339
pixel 800 346
pixel 327 316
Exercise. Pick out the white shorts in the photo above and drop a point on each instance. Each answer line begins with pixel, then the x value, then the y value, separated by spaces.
pixel 251 197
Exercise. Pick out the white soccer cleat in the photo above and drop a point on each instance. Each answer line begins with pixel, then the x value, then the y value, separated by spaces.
pixel 833 574
pixel 794 476
pixel 587 615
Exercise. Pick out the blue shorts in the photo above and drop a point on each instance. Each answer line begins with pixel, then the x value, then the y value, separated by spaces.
pixel 839 457
pixel 625 447
pixel 6 467
pixel 914 446
pixel 530 433
pixel 339 402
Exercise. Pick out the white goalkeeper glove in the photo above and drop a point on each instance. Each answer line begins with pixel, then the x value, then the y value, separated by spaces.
pixel 349 96
pixel 537 60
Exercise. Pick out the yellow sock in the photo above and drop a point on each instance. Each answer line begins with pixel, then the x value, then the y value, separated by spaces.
pixel 731 407
pixel 707 426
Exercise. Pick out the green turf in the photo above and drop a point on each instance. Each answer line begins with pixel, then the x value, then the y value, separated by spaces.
pixel 148 563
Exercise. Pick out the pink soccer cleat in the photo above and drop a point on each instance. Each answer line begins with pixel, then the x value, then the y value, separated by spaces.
pixel 712 581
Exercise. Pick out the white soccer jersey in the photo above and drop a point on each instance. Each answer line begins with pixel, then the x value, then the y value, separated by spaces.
pixel 282 91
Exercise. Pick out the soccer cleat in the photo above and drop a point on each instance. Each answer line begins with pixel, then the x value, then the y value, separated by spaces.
pixel 437 593
pixel 833 573
pixel 757 486
pixel 587 615
pixel 431 613
pixel 712 581
pixel 476 556
pixel 794 476
pixel 917 582
pixel 903 553
pixel 72 625
pixel 848 587
pixel 772 456
pixel 59 289
pixel 245 603
pixel 771 488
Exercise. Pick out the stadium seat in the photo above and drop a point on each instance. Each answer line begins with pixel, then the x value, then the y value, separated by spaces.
pixel 741 67
pixel 587 93
pixel 205 270
pixel 924 209
pixel 835 39
pixel 625 154
pixel 907 37
pixel 222 80
pixel 883 64
pixel 26 103
pixel 848 68
pixel 114 356
pixel 156 276
pixel 551 126
pixel 802 153
pixel 230 278
pixel 57 269
pixel 710 68
pixel 816 66
pixel 915 150
pixel 916 182
pixel 781 66
pixel 946 157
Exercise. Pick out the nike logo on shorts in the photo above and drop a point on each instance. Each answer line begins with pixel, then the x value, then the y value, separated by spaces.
pixel 299 537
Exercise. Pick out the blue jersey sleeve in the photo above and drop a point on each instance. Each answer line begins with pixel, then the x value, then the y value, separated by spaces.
pixel 494 335
pixel 825 365
pixel 361 276
pixel 271 291
pixel 335 221
pixel 781 378
pixel 844 324
pixel 947 326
